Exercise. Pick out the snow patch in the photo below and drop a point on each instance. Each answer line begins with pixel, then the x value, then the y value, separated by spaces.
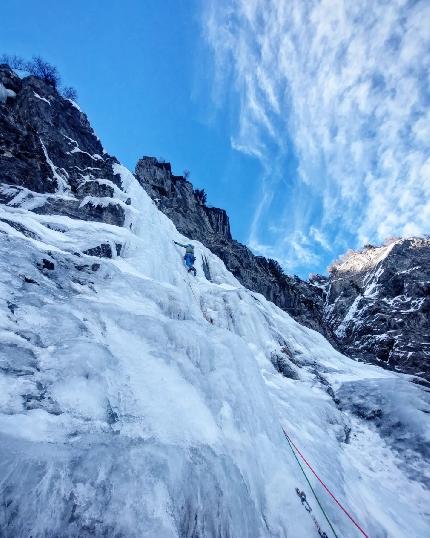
pixel 77 149
pixel 95 156
pixel 105 201
pixel 357 262
pixel 62 183
pixel 41 98
pixel 73 103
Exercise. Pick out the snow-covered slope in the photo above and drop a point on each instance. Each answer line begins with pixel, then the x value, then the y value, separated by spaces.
pixel 137 401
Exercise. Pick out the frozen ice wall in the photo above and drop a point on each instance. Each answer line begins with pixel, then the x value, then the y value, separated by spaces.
pixel 139 401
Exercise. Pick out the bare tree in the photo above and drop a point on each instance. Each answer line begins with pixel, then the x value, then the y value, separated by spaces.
pixel 44 70
pixel 200 196
pixel 37 67
pixel 41 69
pixel 275 268
pixel 186 174
pixel 14 61
pixel 70 93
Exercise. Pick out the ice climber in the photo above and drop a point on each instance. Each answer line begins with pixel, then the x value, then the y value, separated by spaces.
pixel 189 257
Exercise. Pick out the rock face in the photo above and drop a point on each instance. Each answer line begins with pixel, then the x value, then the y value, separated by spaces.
pixel 374 306
pixel 176 197
pixel 378 305
pixel 50 159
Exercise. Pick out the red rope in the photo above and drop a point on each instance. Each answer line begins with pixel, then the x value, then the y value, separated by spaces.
pixel 325 487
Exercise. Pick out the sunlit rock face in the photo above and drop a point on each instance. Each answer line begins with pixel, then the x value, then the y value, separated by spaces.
pixel 378 305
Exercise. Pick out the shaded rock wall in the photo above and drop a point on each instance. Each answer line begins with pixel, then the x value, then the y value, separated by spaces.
pixel 50 159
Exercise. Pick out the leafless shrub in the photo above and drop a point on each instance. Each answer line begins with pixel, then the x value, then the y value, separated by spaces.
pixel 40 68
pixel 200 196
pixel 44 70
pixel 70 93
pixel 14 61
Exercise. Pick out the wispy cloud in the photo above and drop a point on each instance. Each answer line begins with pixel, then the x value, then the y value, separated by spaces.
pixel 300 251
pixel 320 238
pixel 345 85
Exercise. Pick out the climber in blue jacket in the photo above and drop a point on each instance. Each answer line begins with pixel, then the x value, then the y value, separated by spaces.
pixel 189 257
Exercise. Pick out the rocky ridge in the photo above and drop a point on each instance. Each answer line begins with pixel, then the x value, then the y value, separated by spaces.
pixel 377 305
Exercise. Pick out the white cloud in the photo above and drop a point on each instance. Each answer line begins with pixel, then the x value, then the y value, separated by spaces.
pixel 347 83
pixel 300 251
pixel 320 238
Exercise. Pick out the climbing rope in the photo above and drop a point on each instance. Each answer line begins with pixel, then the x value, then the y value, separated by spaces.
pixel 307 480
pixel 291 445
pixel 191 288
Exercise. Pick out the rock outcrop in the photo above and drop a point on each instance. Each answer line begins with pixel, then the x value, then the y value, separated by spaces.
pixel 50 159
pixel 377 305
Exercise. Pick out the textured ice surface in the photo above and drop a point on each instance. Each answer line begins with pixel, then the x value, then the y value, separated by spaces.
pixel 138 401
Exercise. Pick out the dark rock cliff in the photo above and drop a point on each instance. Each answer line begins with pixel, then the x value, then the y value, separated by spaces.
pixel 50 159
pixel 378 305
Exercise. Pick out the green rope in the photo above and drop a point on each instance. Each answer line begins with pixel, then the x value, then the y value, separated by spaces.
pixel 310 485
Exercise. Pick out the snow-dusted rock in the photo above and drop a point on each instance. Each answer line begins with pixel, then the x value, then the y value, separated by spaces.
pixel 378 305
pixel 48 151
pixel 5 94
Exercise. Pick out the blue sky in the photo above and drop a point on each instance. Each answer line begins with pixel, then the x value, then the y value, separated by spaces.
pixel 308 121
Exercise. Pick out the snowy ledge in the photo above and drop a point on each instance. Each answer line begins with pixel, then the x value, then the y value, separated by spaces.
pixel 105 201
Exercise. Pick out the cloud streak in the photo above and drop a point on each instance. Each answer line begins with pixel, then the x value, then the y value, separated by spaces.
pixel 344 87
